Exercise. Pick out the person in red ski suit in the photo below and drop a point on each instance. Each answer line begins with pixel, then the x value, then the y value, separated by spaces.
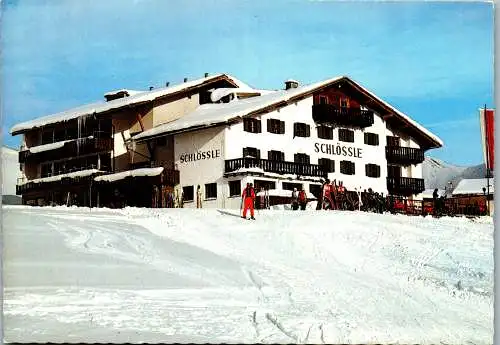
pixel 248 197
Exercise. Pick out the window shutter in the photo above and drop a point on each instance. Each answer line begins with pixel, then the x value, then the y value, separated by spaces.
pixel 332 165
pixel 282 127
pixel 259 126
pixel 308 131
pixel 269 125
pixel 282 156
pixel 245 152
pixel 258 154
pixel 295 129
pixel 269 155
pixel 307 159
pixel 295 157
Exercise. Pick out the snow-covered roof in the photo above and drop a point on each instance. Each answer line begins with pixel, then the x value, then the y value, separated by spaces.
pixel 473 186
pixel 217 94
pixel 212 114
pixel 130 173
pixel 75 174
pixel 103 106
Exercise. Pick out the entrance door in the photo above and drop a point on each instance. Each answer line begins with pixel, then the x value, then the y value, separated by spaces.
pixel 393 171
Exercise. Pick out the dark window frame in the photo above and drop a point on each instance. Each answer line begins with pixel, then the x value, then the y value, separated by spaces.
pixel 275 126
pixel 301 129
pixel 346 135
pixel 252 150
pixel 189 195
pixel 393 141
pixel 252 125
pixel 210 191
pixel 347 168
pixel 372 170
pixel 325 132
pixel 302 158
pixel 233 186
pixel 329 163
pixel 277 156
pixel 372 139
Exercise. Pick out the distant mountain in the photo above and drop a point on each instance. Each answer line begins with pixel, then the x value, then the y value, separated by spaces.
pixel 437 174
pixel 10 173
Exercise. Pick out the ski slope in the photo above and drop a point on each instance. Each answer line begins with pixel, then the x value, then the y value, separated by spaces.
pixel 184 275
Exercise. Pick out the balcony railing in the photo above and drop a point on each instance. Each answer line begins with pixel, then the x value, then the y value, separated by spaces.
pixel 68 149
pixel 329 114
pixel 405 185
pixel 404 155
pixel 301 169
pixel 170 176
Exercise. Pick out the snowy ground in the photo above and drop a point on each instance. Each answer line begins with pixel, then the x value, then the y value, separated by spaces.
pixel 80 275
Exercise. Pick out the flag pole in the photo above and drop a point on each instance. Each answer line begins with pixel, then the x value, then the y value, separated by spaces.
pixel 487 161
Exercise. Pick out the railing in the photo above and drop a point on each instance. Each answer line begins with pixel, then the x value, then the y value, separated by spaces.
pixel 301 169
pixel 329 114
pixel 405 185
pixel 170 176
pixel 69 149
pixel 404 155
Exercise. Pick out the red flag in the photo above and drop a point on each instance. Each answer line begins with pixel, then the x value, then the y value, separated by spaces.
pixel 488 136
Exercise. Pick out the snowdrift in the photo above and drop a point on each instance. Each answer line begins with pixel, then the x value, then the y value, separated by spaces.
pixel 183 275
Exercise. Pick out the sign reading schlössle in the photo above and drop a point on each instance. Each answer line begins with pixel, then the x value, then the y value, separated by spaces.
pixel 338 150
pixel 200 155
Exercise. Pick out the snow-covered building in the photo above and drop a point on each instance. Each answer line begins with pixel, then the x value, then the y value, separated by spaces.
pixel 217 134
pixel 292 138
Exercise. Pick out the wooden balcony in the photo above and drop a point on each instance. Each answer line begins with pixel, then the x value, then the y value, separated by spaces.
pixel 404 155
pixel 301 169
pixel 24 186
pixel 405 186
pixel 169 176
pixel 68 149
pixel 329 114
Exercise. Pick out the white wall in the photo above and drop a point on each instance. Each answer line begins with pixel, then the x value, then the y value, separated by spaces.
pixel 237 139
pixel 10 170
pixel 195 170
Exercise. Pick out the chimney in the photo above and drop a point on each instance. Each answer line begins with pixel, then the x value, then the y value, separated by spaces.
pixel 206 75
pixel 291 84
pixel 167 84
pixel 185 79
pixel 151 88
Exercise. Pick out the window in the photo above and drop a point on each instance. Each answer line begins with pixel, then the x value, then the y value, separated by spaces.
pixel 277 156
pixel 211 191
pixel 235 188
pixel 205 97
pixel 301 158
pixel 251 152
pixel 263 184
pixel 291 186
pixel 344 102
pixel 325 132
pixel 47 136
pixel 323 100
pixel 393 171
pixel 275 126
pixel 346 135
pixel 252 125
pixel 347 168
pixel 301 130
pixel 315 189
pixel 371 139
pixel 392 141
pixel 372 170
pixel 329 164
pixel 188 193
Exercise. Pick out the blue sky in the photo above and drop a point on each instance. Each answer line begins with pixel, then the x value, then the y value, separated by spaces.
pixel 433 61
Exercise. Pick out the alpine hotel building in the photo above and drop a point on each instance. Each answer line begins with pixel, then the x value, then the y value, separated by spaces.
pixel 219 133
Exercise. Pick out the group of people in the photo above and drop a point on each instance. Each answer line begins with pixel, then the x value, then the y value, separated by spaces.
pixel 299 199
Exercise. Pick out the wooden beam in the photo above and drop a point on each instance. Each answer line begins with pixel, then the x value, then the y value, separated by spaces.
pixel 148 143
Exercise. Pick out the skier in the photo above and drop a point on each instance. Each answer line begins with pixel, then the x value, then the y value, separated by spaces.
pixel 266 198
pixel 295 203
pixel 248 198
pixel 302 199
